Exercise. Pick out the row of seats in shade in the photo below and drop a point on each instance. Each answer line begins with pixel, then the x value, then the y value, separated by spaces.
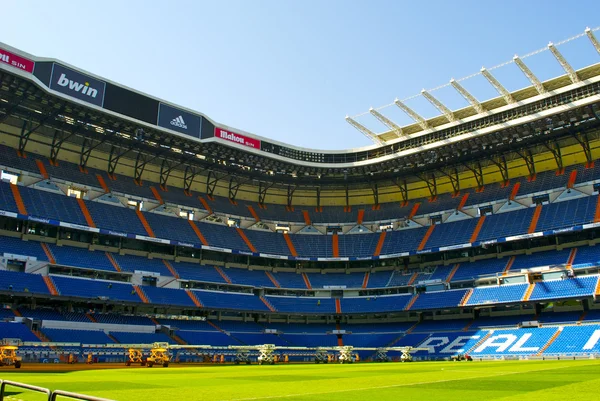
pixel 327 214
pixel 121 219
pixel 507 293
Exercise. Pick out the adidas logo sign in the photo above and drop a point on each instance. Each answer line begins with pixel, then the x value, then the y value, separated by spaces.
pixel 178 122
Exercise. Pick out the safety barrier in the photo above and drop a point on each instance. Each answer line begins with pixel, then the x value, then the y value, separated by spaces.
pixel 52 395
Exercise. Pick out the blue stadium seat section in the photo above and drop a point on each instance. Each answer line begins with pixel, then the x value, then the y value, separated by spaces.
pixel 289 280
pixel 22 282
pixel 11 159
pixel 7 200
pixel 256 278
pixel 222 236
pixel 215 338
pixel 197 272
pixel 115 218
pixel 567 213
pixel 350 280
pixel 587 256
pixel 567 288
pixel 49 205
pixel 514 342
pixel 113 318
pixel 230 300
pixel 15 246
pixel 538 259
pixel 379 279
pixel 141 338
pixel 455 233
pixel 479 268
pixel 439 299
pixel 497 294
pixel 403 240
pixel 313 245
pixel 170 227
pixel 373 304
pixel 267 242
pixel 357 245
pixel 178 197
pixel 83 288
pixel 432 326
pixel 304 304
pixel 576 340
pixel 17 330
pixel 132 263
pixel 77 336
pixel 504 224
pixel 81 257
pixel 168 296
pixel 490 193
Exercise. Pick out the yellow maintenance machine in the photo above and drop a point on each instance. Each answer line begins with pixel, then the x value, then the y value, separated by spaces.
pixel 8 354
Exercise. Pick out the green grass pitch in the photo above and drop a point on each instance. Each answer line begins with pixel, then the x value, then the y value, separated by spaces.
pixel 502 380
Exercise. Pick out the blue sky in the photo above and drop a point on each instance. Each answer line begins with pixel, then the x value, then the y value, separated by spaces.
pixel 292 70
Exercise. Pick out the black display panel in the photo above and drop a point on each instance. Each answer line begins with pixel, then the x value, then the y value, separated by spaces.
pixel 131 104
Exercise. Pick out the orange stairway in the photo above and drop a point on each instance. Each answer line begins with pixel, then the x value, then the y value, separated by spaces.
pixel 596 215
pixel 463 201
pixel 268 304
pixel 18 200
pixel 91 318
pixel 572 179
pixel 335 246
pixel 306 281
pixel 340 340
pixel 198 233
pixel 528 292
pixel 102 183
pixel 86 213
pixel 534 219
pixel 246 240
pixel 171 269
pixel 380 243
pixel 466 297
pixel 141 294
pixel 145 223
pixel 550 341
pixel 42 168
pixel 290 244
pixel 157 195
pixel 514 191
pixel 194 298
pixel 113 261
pixel 572 256
pixel 338 306
pixel 253 213
pixel 597 293
pixel 411 302
pixel 452 272
pixel 306 217
pixel 361 216
pixel 414 210
pixel 50 284
pixel 205 204
pixel 426 237
pixel 412 279
pixel 273 279
pixel 511 260
pixel 477 229
pixel 48 253
pixel 223 274
pixel 365 280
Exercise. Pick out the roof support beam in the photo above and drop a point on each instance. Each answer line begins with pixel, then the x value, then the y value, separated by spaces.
pixel 438 105
pixel 290 195
pixel 86 150
pixel 554 148
pixel 365 131
pixel 527 156
pixel 468 97
pixel 403 187
pixel 431 183
pixel 529 74
pixel 497 85
pixel 502 167
pixel 387 122
pixel 563 63
pixel 375 189
pixel 188 179
pixel 452 174
pixel 263 188
pixel 475 168
pixel 412 114
pixel 592 37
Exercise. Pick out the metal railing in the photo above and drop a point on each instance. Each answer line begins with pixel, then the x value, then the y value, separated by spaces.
pixel 51 395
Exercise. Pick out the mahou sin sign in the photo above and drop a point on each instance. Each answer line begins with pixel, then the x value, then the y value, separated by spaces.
pixel 237 138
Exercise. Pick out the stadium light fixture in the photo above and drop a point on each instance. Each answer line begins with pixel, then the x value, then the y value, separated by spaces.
pixel 563 63
pixel 387 122
pixel 497 85
pixel 438 105
pixel 529 74
pixel 412 114
pixel 468 97
pixel 365 131
pixel 592 37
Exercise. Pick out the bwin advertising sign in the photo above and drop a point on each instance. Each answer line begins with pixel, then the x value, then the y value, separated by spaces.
pixel 77 85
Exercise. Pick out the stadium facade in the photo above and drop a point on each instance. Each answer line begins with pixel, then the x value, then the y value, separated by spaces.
pixel 120 211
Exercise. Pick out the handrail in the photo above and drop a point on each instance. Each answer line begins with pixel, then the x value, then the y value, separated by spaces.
pixel 52 395
pixel 4 383
pixel 76 396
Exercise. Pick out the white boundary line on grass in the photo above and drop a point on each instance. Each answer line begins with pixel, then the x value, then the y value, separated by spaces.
pixel 496 374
